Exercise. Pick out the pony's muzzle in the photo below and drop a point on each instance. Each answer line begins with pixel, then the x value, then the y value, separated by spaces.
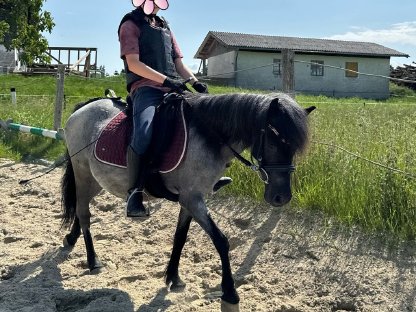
pixel 279 200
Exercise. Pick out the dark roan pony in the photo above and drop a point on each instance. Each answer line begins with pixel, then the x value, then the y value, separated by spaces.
pixel 272 127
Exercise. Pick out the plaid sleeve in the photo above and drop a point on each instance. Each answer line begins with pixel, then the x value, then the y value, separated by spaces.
pixel 129 39
pixel 176 48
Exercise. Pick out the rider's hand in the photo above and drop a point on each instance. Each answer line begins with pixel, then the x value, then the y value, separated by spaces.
pixel 174 84
pixel 200 87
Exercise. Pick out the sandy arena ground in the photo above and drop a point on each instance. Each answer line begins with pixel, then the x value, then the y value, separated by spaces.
pixel 282 260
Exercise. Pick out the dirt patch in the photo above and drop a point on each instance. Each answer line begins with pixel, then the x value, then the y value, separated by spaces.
pixel 282 260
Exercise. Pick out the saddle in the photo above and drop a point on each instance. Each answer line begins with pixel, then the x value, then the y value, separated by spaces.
pixel 167 148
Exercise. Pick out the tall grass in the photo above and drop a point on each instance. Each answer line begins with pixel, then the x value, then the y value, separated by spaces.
pixel 351 188
pixel 328 179
pixel 348 170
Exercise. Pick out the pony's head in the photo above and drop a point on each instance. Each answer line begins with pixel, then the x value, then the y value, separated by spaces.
pixel 284 134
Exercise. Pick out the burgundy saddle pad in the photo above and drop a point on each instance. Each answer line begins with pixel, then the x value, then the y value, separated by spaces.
pixel 111 146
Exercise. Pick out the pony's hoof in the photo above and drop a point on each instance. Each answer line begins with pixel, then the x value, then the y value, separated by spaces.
pixel 175 285
pixel 70 240
pixel 228 307
pixel 98 270
pixel 67 244
pixel 97 267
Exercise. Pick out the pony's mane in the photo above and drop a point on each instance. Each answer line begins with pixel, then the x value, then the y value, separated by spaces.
pixel 291 120
pixel 238 118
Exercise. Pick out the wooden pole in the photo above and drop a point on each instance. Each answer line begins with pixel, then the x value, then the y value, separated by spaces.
pixel 87 66
pixel 288 57
pixel 59 97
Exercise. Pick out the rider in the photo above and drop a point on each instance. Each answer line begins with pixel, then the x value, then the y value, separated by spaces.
pixel 153 65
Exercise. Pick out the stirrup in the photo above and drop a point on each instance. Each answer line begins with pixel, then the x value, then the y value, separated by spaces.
pixel 135 207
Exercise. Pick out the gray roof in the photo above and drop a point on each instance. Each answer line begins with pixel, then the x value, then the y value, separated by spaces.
pixel 306 45
pixel 6 57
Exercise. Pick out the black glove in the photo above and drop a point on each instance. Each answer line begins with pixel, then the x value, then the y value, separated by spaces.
pixel 200 87
pixel 174 84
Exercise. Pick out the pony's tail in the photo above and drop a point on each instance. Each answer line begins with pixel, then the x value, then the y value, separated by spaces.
pixel 69 194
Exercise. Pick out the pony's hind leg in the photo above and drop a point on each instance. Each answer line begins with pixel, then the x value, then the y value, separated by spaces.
pixel 71 238
pixel 84 216
pixel 76 198
pixel 86 188
pixel 173 281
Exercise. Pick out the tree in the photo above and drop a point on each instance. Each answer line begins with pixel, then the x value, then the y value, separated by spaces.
pixel 21 27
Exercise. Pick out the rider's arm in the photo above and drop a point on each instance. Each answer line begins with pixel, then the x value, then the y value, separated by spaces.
pixel 141 69
pixel 184 70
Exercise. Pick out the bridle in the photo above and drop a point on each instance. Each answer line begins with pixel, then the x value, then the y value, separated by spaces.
pixel 261 168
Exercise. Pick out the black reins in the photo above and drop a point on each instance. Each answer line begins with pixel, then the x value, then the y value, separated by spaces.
pixel 261 168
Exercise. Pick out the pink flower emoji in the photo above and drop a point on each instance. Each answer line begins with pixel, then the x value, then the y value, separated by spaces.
pixel 149 5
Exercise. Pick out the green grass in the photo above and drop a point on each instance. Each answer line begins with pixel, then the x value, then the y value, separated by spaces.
pixel 35 107
pixel 351 188
pixel 347 187
pixel 328 179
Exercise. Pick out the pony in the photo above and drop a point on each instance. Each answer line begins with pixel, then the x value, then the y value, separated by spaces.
pixel 273 127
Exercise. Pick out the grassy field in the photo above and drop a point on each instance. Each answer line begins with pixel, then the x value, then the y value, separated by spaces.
pixel 335 175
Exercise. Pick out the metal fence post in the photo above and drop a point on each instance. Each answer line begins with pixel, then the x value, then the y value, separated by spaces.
pixel 59 97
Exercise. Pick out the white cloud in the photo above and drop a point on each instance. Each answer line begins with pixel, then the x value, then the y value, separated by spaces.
pixel 401 33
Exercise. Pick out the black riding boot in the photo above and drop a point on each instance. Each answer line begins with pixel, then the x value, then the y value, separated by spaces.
pixel 221 183
pixel 136 168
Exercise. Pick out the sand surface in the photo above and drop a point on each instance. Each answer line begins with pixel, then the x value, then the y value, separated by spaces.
pixel 282 260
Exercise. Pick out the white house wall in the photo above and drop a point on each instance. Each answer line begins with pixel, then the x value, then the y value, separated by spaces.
pixel 334 83
pixel 222 66
pixel 255 71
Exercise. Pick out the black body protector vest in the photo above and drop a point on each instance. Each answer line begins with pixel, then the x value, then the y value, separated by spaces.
pixel 155 44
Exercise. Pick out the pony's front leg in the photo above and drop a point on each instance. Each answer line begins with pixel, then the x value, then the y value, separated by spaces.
pixel 196 206
pixel 173 281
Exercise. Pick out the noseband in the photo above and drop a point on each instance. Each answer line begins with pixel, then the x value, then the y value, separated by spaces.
pixel 261 168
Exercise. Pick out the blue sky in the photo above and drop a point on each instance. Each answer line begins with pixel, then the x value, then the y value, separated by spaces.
pixel 93 23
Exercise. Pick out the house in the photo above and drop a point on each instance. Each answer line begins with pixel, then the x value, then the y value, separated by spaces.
pixel 7 60
pixel 255 62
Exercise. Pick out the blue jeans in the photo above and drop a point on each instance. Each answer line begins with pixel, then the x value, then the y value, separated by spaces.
pixel 145 100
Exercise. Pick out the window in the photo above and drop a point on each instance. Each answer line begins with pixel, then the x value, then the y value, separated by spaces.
pixel 277 68
pixel 317 68
pixel 351 66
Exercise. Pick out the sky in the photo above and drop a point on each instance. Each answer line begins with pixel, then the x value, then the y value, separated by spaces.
pixel 94 23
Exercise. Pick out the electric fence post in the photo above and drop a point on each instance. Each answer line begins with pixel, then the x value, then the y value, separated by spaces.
pixel 59 97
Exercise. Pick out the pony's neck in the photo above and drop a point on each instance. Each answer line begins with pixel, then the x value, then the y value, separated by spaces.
pixel 234 118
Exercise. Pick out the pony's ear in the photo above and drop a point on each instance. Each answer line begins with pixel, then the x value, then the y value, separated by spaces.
pixel 310 109
pixel 274 107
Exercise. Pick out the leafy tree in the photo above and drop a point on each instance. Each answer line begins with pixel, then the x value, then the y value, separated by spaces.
pixel 21 27
pixel 4 27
